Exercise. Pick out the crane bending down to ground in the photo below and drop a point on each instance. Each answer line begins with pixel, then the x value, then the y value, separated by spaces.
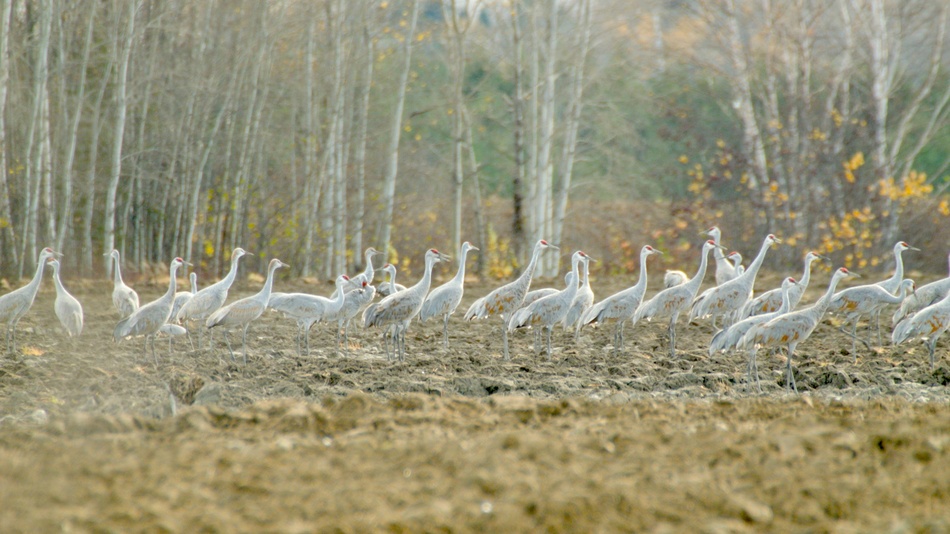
pixel 504 300
pixel 353 304
pixel 725 270
pixel 929 323
pixel 400 308
pixel 674 300
pixel 307 309
pixel 68 309
pixel 211 298
pixel 582 302
pixel 390 286
pixel 551 310
pixel 728 298
pixel 149 319
pixel 869 300
pixel 15 304
pixel 540 293
pixel 244 311
pixel 729 338
pixel 924 296
pixel 124 298
pixel 790 329
pixel 621 306
pixel 444 299
pixel 676 277
pixel 772 300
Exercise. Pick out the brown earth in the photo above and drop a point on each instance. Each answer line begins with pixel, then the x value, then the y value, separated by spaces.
pixel 460 439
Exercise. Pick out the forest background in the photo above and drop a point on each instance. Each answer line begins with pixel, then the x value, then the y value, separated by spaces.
pixel 311 129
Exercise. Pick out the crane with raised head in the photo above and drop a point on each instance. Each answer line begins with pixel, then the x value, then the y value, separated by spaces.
pixel 67 307
pixel 149 319
pixel 551 310
pixel 725 270
pixel 15 304
pixel 211 298
pixel 124 298
pixel 771 300
pixel 727 299
pixel 728 338
pixel 400 308
pixel 582 302
pixel 390 286
pixel 244 311
pixel 674 300
pixel 789 330
pixel 368 273
pixel 924 296
pixel 504 300
pixel 621 306
pixel 443 300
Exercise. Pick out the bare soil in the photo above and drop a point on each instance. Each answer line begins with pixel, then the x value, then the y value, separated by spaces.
pixel 460 439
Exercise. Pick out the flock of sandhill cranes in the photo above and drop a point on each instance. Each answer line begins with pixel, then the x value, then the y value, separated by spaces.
pixel 747 322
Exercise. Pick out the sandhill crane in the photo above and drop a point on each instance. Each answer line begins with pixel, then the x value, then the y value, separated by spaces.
pixel 400 308
pixel 929 323
pixel 771 300
pixel 172 330
pixel 736 260
pixel 728 298
pixel 674 300
pixel 124 298
pixel 582 302
pixel 307 309
pixel 856 302
pixel 354 303
pixel 728 338
pixel 444 299
pixel 390 286
pixel 68 309
pixel 790 329
pixel 211 298
pixel 148 319
pixel 894 282
pixel 242 312
pixel 181 297
pixel 621 306
pixel 550 310
pixel 15 304
pixel 925 295
pixel 367 275
pixel 674 278
pixel 725 270
pixel 509 297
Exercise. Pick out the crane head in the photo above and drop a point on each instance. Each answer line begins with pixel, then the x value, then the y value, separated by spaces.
pixel 771 239
pixel 901 245
pixel 650 250
pixel 713 232
pixel 544 244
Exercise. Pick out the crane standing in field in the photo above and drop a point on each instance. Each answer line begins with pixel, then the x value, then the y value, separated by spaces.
pixel 68 309
pixel 444 299
pixel 725 270
pixel 400 308
pixel 149 319
pixel 894 282
pixel 929 323
pixel 550 310
pixel 582 302
pixel 389 287
pixel 728 298
pixel 211 298
pixel 856 302
pixel 307 309
pixel 790 329
pixel 368 274
pixel 504 300
pixel 124 298
pixel 15 304
pixel 621 306
pixel 354 303
pixel 674 300
pixel 924 296
pixel 244 311
pixel 772 300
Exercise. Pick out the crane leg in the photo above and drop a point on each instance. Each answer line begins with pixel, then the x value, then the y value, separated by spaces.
pixel 306 339
pixel 504 336
pixel 550 329
pixel 13 331
pixel 346 335
pixel 790 373
pixel 244 345
pixel 854 351
pixel 932 345
pixel 537 342
pixel 672 335
pixel 227 340
pixel 445 332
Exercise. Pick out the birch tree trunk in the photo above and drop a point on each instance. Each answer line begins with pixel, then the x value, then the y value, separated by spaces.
pixel 123 52
pixel 9 241
pixel 518 178
pixel 392 152
pixel 545 169
pixel 363 94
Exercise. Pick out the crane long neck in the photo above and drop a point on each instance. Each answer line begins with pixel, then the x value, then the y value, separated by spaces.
pixel 757 262
pixel 339 296
pixel 423 285
pixel 806 276
pixel 717 252
pixel 34 284
pixel 642 280
pixel 825 299
pixel 369 273
pixel 529 270
pixel 572 288
pixel 697 280
pixel 786 300
pixel 392 278
pixel 117 272
pixel 269 283
pixel 899 268
pixel 585 272
pixel 460 274
pixel 56 281
pixel 194 283
pixel 172 283
pixel 232 272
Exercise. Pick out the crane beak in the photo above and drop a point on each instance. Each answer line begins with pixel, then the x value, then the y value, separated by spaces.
pixel 913 248
pixel 475 248
pixel 445 257
pixel 555 247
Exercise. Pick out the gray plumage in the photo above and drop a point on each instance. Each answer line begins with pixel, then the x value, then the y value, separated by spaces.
pixel 124 298
pixel 772 300
pixel 181 297
pixel 443 300
pixel 211 298
pixel 368 273
pixel 582 301
pixel 390 286
pixel 244 311
pixel 925 295
pixel 355 302
pixel 68 310
pixel 868 300
pixel 728 338
pixel 15 304
pixel 308 309
pixel 930 323
pixel 148 319
pixel 725 270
